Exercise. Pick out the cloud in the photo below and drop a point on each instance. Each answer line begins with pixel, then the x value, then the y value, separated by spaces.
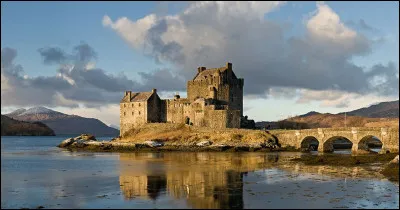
pixel 314 66
pixel 362 25
pixel 76 81
pixel 52 55
pixel 212 33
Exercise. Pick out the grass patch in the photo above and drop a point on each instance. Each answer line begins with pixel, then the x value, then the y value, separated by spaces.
pixel 237 137
pixel 391 171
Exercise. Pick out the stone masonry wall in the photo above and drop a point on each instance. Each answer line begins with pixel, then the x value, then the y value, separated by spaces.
pixel 236 96
pixel 177 110
pixel 154 109
pixel 132 114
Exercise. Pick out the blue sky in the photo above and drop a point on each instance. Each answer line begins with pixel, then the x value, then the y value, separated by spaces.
pixel 28 26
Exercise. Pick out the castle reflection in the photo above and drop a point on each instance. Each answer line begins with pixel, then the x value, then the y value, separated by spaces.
pixel 213 180
pixel 204 180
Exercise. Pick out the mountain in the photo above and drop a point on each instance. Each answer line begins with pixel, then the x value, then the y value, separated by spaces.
pixel 388 109
pixel 114 126
pixel 309 114
pixel 385 114
pixel 11 127
pixel 64 124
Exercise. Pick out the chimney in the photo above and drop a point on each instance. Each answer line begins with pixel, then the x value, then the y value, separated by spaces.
pixel 229 65
pixel 201 68
pixel 177 96
pixel 129 94
pixel 154 90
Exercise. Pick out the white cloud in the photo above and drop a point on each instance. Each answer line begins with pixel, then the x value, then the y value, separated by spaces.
pixel 212 33
pixel 327 24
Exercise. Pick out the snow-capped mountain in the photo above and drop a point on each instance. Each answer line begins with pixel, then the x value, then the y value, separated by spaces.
pixel 39 110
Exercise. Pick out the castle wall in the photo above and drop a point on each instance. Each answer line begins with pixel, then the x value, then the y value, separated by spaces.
pixel 154 109
pixel 233 118
pixel 236 96
pixel 163 110
pixel 178 110
pixel 197 89
pixel 132 114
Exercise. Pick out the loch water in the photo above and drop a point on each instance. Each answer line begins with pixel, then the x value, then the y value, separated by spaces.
pixel 34 172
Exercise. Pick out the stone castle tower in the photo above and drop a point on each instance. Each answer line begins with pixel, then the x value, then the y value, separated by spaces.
pixel 214 99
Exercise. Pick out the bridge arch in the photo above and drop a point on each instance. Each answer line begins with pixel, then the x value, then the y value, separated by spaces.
pixel 309 143
pixel 369 142
pixel 338 142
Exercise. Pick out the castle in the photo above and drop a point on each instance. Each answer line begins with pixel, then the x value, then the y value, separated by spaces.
pixel 214 99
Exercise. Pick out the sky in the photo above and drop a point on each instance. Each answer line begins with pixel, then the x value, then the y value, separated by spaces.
pixel 295 57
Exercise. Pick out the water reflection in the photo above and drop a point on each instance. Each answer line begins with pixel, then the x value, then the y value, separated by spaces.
pixel 216 180
pixel 205 180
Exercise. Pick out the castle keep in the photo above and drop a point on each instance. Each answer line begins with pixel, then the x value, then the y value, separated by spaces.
pixel 214 99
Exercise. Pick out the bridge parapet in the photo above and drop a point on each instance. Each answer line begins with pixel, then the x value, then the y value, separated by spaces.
pixel 357 135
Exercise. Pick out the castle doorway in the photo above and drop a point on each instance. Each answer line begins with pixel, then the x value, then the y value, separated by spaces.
pixel 187 121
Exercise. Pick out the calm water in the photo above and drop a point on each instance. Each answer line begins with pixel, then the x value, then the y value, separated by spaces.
pixel 34 172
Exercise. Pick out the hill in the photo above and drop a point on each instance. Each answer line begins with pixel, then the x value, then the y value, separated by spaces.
pixel 64 124
pixel 11 127
pixel 385 114
pixel 388 109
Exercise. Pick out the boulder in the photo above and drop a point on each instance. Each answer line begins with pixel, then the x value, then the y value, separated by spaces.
pixel 66 142
pixel 87 137
pixel 204 143
pixel 270 143
pixel 154 143
pixel 395 160
pixel 80 143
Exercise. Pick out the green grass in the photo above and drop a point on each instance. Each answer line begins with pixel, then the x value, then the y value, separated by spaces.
pixel 391 171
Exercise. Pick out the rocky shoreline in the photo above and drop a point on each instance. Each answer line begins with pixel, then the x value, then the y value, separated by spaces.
pixel 88 142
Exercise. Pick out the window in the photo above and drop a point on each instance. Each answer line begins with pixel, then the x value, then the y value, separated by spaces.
pixel 139 112
pixel 124 105
pixel 139 104
pixel 124 113
pixel 132 113
pixel 132 104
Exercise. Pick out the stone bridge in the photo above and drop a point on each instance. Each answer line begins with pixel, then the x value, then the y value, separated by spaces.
pixel 359 137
